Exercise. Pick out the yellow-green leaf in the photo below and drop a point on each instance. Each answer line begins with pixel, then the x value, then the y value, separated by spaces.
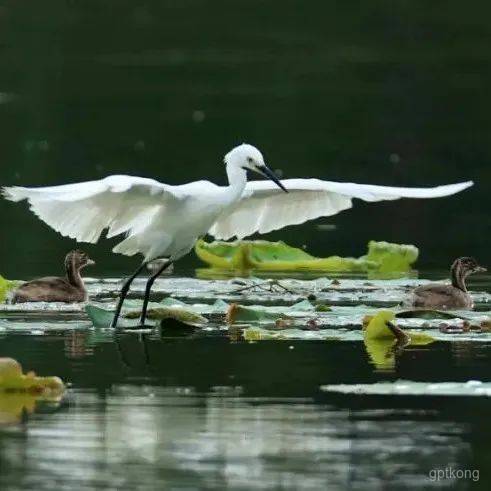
pixel 12 379
pixel 245 255
pixel 6 286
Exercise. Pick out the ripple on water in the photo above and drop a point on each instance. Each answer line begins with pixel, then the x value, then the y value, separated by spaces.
pixel 145 437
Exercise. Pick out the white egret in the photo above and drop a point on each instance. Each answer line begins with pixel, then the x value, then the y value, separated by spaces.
pixel 163 221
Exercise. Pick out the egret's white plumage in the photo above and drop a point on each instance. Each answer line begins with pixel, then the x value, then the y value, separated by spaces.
pixel 159 220
pixel 263 207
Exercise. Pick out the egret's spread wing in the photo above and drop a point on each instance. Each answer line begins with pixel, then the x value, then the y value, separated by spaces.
pixel 264 207
pixel 122 204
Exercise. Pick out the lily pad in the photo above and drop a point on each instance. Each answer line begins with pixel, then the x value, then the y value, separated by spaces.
pixel 181 315
pixel 13 380
pixel 427 314
pixel 102 318
pixel 241 313
pixel 474 388
pixel 346 292
pixel 391 257
pixel 383 339
pixel 6 286
pixel 164 316
pixel 247 255
pixel 252 334
pixel 14 405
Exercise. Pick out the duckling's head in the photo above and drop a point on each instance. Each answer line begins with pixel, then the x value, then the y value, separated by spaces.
pixel 77 259
pixel 464 266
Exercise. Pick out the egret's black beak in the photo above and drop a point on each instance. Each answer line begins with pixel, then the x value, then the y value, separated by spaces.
pixel 267 172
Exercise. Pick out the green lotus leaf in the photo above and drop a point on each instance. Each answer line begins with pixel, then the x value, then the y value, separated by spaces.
pixel 252 334
pixel 12 379
pixel 427 314
pixel 164 313
pixel 258 313
pixel 382 343
pixel 6 286
pixel 166 316
pixel 245 255
pixel 391 257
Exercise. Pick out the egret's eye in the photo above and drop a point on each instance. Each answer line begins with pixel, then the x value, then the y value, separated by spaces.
pixel 250 160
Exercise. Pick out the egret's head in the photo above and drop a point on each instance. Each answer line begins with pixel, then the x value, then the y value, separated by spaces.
pixel 248 157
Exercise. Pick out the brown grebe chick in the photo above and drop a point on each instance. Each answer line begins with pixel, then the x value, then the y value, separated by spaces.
pixel 69 289
pixel 448 297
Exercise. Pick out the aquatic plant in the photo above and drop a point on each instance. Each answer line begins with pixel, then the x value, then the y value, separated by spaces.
pixel 13 380
pixel 383 339
pixel 246 255
pixel 6 286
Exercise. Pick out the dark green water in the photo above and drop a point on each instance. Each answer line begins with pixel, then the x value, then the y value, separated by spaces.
pixel 388 92
pixel 208 411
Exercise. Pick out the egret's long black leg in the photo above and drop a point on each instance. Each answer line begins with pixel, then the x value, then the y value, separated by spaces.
pixel 150 283
pixel 124 292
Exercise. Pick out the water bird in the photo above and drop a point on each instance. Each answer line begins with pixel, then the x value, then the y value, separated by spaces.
pixel 164 221
pixel 448 296
pixel 69 289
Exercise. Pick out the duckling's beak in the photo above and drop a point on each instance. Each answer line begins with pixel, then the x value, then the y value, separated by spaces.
pixel 267 172
pixel 90 262
pixel 480 269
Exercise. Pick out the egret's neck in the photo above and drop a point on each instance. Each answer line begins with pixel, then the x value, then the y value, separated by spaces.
pixel 237 180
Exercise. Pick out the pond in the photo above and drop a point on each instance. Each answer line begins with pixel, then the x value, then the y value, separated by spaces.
pixel 387 93
pixel 208 409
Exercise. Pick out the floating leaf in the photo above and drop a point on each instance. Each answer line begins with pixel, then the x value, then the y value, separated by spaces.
pixel 19 393
pixel 13 380
pixel 165 316
pixel 277 256
pixel 14 405
pixel 240 313
pixel 6 286
pixel 377 327
pixel 383 339
pixel 391 257
pixel 427 314
pixel 102 318
pixel 323 308
pixel 258 313
pixel 380 342
pixel 410 388
pixel 252 334
pixel 175 313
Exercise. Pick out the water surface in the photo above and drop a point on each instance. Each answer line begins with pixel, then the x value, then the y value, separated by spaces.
pixel 210 411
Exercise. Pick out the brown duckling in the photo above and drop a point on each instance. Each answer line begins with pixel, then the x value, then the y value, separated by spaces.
pixel 54 289
pixel 447 297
